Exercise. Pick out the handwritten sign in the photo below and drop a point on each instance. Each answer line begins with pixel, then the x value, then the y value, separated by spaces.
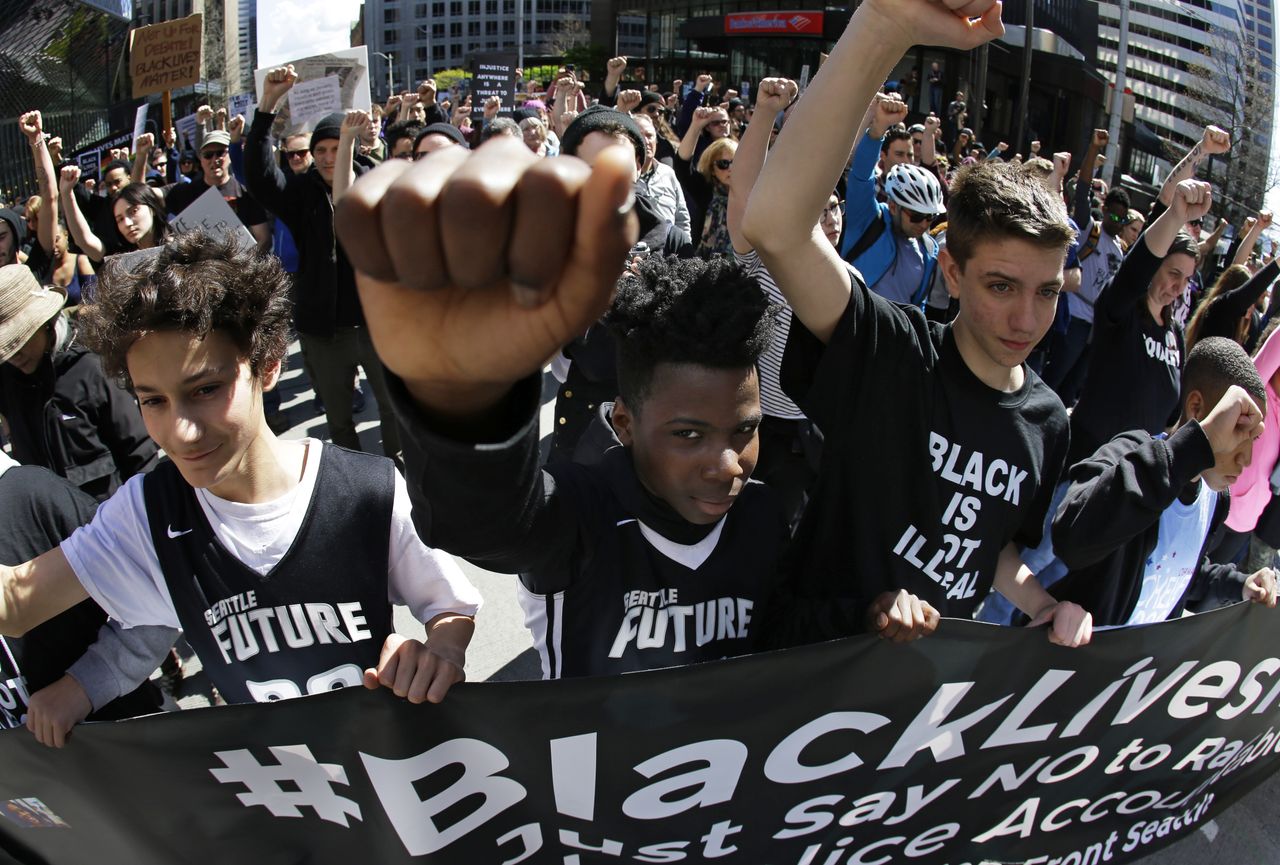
pixel 349 65
pixel 166 56
pixel 311 100
pixel 211 213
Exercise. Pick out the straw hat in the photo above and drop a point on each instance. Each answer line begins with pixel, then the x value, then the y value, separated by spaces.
pixel 25 306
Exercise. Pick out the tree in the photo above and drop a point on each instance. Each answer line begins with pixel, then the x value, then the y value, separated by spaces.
pixel 1228 89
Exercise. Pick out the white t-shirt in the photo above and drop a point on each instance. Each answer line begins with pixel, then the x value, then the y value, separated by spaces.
pixel 116 562
pixel 1174 561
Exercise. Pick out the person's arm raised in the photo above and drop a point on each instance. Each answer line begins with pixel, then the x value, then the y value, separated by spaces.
pixel 355 125
pixel 1253 227
pixel 33 127
pixel 1082 212
pixel 90 244
pixel 1191 200
pixel 810 154
pixel 1212 141
pixel 456 323
pixel 773 95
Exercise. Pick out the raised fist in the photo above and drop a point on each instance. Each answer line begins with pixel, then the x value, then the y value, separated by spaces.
pixel 616 66
pixel 69 177
pixel 204 114
pixel 774 95
pixel 145 142
pixel 1264 220
pixel 427 91
pixel 1061 163
pixel 236 127
pixel 1235 420
pixel 455 322
pixel 118 153
pixel 932 124
pixel 628 100
pixel 1100 138
pixel 704 81
pixel 220 119
pixel 492 106
pixel 170 138
pixel 55 149
pixel 278 82
pixel 32 126
pixel 1215 140
pixel 887 110
pixel 1191 200
pixel 1035 148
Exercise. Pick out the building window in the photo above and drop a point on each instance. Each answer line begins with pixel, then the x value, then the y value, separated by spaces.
pixel 473 28
pixel 473 7
pixel 421 53
pixel 508 28
pixel 491 7
pixel 390 16
pixel 390 37
pixel 437 9
pixel 437 31
pixel 455 29
pixel 437 53
pixel 491 28
pixel 455 7
pixel 420 10
pixel 508 7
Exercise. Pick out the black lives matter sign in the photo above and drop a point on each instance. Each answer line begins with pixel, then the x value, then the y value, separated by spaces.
pixel 978 743
pixel 493 74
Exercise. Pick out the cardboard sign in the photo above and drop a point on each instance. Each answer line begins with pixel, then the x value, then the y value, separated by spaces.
pixel 139 125
pixel 311 100
pixel 166 56
pixel 351 68
pixel 211 213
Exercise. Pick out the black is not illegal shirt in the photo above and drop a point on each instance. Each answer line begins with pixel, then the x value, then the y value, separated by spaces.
pixel 927 473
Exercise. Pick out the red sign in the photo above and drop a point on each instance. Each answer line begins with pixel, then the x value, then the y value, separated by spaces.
pixel 789 23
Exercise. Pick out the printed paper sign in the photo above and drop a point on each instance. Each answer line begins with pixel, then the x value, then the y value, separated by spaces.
pixel 166 56
pixel 187 130
pixel 241 104
pixel 139 125
pixel 494 75
pixel 350 66
pixel 309 101
pixel 211 213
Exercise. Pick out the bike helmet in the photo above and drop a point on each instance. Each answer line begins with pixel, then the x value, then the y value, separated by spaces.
pixel 914 188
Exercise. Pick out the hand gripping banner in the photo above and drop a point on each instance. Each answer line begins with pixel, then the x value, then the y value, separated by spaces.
pixel 977 743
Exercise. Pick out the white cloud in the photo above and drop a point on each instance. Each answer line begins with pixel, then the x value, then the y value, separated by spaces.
pixel 289 29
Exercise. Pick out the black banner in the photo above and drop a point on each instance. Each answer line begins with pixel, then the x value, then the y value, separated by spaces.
pixel 978 743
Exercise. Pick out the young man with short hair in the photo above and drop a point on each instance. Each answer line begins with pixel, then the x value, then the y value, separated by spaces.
pixel 941 447
pixel 661 551
pixel 280 560
pixel 1141 513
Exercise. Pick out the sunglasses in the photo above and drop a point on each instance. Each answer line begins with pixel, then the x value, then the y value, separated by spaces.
pixel 296 154
pixel 213 154
pixel 652 109
pixel 917 217
pixel 1116 218
pixel 724 164
pixel 1196 222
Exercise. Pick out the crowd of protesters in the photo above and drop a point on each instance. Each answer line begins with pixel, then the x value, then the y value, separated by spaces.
pixel 828 367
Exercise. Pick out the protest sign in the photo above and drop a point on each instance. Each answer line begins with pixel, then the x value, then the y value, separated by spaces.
pixel 350 66
pixel 188 128
pixel 139 125
pixel 978 743
pixel 166 56
pixel 211 213
pixel 493 75
pixel 311 100
pixel 241 104
pixel 91 157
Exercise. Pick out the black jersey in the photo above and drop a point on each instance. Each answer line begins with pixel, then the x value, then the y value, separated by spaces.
pixel 318 618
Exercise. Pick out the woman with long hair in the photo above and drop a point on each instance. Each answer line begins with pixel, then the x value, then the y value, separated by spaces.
pixel 715 167
pixel 1227 309
pixel 139 219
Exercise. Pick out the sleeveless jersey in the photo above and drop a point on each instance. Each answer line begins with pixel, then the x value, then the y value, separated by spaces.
pixel 318 618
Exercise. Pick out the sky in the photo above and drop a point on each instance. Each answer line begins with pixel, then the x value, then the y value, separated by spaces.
pixel 290 29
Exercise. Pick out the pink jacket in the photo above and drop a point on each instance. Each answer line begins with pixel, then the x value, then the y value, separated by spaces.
pixel 1252 491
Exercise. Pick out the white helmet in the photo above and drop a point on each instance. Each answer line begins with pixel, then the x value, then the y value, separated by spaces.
pixel 914 188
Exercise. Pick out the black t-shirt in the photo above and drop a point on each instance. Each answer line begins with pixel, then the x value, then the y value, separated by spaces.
pixel 180 196
pixel 927 473
pixel 1135 370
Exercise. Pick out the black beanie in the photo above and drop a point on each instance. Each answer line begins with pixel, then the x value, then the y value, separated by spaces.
pixel 330 126
pixel 448 130
pixel 648 97
pixel 594 119
pixel 17 225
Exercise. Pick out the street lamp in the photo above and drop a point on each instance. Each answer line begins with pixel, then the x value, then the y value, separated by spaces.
pixel 391 87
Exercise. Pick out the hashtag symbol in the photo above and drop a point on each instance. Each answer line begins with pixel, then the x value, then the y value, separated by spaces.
pixel 296 765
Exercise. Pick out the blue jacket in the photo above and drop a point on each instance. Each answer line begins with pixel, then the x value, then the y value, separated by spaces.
pixel 862 210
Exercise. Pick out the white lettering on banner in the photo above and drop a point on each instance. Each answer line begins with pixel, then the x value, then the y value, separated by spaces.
pixel 295 764
pixel 648 614
pixel 471 783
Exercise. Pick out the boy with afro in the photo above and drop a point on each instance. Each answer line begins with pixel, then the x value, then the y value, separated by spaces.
pixel 657 551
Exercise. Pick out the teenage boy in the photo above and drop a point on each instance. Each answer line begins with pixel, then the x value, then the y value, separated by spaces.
pixel 279 560
pixel 666 521
pixel 941 447
pixel 1141 512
